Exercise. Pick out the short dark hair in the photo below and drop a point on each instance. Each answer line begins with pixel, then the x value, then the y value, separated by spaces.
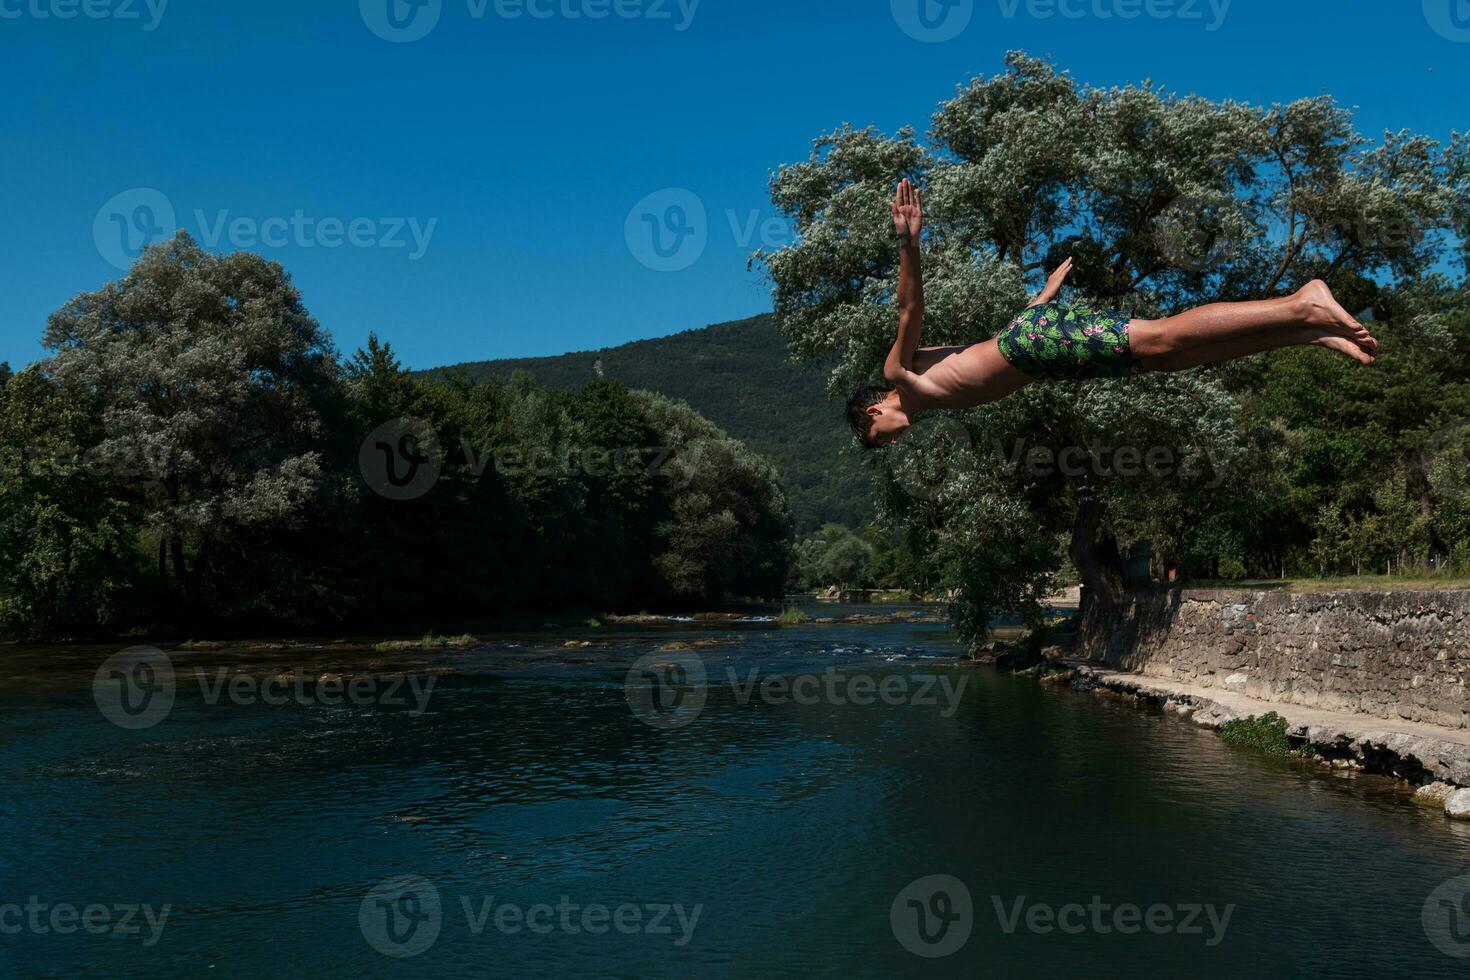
pixel 857 410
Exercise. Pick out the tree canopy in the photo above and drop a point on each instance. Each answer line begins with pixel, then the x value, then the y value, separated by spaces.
pixel 194 455
pixel 1166 201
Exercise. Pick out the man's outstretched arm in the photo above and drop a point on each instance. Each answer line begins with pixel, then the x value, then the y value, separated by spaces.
pixel 908 221
pixel 1053 287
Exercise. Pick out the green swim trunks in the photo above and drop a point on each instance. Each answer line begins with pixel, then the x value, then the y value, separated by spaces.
pixel 1052 342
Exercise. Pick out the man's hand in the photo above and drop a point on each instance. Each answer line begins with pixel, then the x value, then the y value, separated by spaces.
pixel 908 221
pixel 908 212
pixel 1054 283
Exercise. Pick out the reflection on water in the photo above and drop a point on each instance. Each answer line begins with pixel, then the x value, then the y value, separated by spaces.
pixel 780 827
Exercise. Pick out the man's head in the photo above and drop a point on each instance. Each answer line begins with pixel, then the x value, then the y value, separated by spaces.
pixel 877 416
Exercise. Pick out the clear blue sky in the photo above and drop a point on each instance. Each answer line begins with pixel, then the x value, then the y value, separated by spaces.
pixel 520 145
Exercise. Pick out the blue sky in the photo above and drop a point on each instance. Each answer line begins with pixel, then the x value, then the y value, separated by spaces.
pixel 473 193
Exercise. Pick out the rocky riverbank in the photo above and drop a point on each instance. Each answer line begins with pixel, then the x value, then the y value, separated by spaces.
pixel 1369 681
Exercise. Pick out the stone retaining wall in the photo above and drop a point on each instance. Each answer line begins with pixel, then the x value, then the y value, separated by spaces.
pixel 1392 655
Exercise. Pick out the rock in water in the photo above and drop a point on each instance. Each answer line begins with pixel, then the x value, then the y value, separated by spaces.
pixel 1457 807
pixel 1433 794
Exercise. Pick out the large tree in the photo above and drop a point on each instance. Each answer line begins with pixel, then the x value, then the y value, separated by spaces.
pixel 213 381
pixel 71 566
pixel 1166 201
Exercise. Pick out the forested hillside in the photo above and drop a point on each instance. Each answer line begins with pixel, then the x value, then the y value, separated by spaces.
pixel 739 376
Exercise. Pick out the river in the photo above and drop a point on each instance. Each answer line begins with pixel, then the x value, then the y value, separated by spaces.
pixel 839 799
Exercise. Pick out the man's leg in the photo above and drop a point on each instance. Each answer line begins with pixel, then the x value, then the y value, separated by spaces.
pixel 1221 331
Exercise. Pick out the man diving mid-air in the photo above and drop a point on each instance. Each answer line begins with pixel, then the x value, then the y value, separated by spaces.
pixel 1049 341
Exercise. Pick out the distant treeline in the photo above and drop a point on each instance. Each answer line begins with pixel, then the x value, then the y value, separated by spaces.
pixel 741 376
pixel 871 558
pixel 194 456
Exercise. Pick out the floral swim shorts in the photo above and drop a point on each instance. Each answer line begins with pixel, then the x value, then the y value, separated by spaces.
pixel 1052 342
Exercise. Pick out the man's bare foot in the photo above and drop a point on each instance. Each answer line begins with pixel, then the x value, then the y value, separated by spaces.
pixel 1321 308
pixel 1342 345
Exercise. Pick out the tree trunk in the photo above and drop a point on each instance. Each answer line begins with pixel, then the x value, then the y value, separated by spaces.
pixel 181 569
pixel 1094 551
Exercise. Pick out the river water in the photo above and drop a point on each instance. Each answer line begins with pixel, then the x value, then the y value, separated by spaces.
pixel 837 799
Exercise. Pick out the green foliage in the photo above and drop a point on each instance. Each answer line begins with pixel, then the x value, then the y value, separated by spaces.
pixel 1232 568
pixel 872 559
pixel 428 642
pixel 791 616
pixel 1167 202
pixel 214 387
pixel 69 543
pixel 194 456
pixel 739 376
pixel 1266 733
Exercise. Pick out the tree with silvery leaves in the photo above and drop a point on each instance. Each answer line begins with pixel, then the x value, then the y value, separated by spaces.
pixel 1165 201
pixel 214 380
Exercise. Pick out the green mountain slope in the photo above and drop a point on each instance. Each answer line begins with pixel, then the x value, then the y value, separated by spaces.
pixel 738 376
